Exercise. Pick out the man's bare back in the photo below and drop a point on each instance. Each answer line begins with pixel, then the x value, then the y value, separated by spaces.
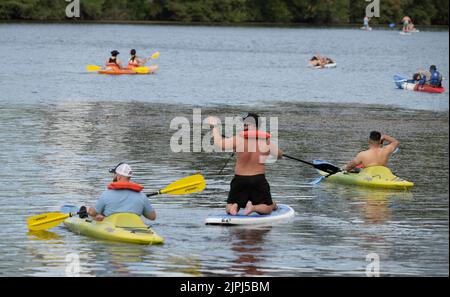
pixel 377 154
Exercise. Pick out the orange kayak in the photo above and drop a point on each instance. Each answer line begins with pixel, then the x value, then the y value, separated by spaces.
pixel 151 70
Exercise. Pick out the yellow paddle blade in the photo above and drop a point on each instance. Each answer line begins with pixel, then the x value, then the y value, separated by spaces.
pixel 187 185
pixel 93 68
pixel 155 56
pixel 46 221
pixel 142 70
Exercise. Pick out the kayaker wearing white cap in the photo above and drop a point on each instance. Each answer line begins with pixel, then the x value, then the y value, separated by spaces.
pixel 122 196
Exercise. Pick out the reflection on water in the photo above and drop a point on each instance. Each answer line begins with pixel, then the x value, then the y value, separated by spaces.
pixel 247 244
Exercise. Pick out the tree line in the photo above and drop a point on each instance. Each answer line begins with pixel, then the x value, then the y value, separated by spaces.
pixel 423 12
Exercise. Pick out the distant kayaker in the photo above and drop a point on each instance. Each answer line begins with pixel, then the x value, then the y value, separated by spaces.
pixel 377 154
pixel 406 23
pixel 249 188
pixel 319 61
pixel 432 77
pixel 122 196
pixel 135 61
pixel 113 62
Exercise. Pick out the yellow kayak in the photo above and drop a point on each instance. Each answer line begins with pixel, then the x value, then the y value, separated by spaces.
pixel 376 177
pixel 121 227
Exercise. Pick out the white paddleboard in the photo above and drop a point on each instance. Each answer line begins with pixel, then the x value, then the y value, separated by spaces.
pixel 331 65
pixel 282 213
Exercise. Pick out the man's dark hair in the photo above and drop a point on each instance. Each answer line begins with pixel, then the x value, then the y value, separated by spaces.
pixel 254 116
pixel 433 68
pixel 375 136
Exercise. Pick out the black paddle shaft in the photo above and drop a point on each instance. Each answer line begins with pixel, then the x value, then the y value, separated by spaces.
pixel 325 167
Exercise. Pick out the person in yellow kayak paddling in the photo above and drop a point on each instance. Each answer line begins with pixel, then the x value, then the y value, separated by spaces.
pixel 376 155
pixel 249 188
pixel 122 196
pixel 113 63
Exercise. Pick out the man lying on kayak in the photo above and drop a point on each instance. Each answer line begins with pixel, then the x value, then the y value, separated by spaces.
pixel 249 188
pixel 377 154
pixel 122 196
pixel 113 63
pixel 320 61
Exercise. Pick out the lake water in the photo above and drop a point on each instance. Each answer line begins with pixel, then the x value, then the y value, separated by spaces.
pixel 63 128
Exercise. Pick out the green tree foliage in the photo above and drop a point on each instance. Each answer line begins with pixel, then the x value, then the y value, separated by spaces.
pixel 423 12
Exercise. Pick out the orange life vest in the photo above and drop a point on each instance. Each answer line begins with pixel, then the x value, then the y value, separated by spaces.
pixel 125 186
pixel 255 134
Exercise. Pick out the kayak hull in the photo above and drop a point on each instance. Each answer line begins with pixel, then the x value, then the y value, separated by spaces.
pixel 124 227
pixel 127 71
pixel 283 212
pixel 404 84
pixel 373 177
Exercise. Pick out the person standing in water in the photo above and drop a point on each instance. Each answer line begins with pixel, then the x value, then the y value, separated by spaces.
pixel 406 23
pixel 113 63
pixel 249 188
pixel 366 23
pixel 377 154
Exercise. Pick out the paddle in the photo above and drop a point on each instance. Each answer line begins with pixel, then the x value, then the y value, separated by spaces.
pixel 226 163
pixel 153 57
pixel 325 167
pixel 188 185
pixel 93 68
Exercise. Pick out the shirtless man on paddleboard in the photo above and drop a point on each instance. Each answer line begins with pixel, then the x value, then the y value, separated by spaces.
pixel 377 154
pixel 249 188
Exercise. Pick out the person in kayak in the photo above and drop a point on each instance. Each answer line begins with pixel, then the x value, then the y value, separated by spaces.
pixel 432 77
pixel 122 196
pixel 249 188
pixel 376 155
pixel 135 61
pixel 113 63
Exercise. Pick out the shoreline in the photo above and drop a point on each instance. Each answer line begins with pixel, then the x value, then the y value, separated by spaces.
pixel 212 24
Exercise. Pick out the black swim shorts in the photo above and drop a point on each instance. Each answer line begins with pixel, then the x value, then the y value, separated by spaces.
pixel 249 188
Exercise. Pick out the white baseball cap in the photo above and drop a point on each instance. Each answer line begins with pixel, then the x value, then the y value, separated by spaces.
pixel 123 169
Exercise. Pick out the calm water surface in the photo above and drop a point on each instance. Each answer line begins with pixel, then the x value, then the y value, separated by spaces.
pixel 62 128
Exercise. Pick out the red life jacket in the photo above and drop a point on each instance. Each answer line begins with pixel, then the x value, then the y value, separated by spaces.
pixel 125 186
pixel 255 134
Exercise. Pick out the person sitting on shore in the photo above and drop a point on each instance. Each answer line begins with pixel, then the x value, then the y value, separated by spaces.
pixel 113 63
pixel 376 155
pixel 122 196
